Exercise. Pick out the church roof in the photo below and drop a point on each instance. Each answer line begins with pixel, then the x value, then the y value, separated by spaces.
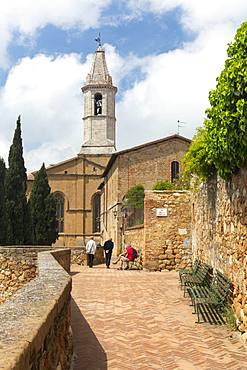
pixel 99 73
pixel 167 138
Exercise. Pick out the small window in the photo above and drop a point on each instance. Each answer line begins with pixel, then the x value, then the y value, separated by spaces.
pixel 59 212
pixel 174 170
pixel 97 104
pixel 96 212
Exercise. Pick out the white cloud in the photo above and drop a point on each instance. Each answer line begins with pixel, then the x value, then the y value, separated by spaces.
pixel 28 16
pixel 196 15
pixel 175 87
pixel 46 92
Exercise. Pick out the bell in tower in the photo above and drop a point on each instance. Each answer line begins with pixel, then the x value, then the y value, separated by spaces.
pixel 99 119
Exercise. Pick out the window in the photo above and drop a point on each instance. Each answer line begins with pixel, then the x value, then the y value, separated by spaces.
pixel 174 170
pixel 97 104
pixel 59 212
pixel 96 212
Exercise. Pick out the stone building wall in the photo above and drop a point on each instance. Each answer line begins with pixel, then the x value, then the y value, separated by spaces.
pixel 167 238
pixel 35 328
pixel 142 165
pixel 219 237
pixel 77 179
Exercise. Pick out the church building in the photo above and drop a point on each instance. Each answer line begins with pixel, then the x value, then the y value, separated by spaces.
pixel 89 188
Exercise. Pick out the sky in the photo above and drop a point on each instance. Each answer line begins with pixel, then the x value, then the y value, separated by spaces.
pixel 164 57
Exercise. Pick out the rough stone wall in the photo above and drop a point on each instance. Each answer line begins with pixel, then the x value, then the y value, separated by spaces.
pixel 79 257
pixel 35 324
pixel 17 267
pixel 167 239
pixel 219 234
pixel 14 275
pixel 135 237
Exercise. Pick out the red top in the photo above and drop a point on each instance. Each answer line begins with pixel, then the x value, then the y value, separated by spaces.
pixel 130 254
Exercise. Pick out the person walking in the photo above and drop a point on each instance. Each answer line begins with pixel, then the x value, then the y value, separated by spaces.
pixel 90 251
pixel 108 247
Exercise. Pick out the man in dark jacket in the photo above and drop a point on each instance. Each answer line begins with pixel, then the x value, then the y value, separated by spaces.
pixel 108 247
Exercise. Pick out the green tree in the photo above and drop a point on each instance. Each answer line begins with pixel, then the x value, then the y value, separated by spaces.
pixel 222 145
pixel 134 198
pixel 16 210
pixel 2 205
pixel 43 210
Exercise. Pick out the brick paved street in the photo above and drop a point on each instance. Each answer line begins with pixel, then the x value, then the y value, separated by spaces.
pixel 124 320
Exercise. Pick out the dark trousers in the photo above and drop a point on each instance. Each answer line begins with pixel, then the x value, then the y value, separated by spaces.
pixel 108 258
pixel 90 258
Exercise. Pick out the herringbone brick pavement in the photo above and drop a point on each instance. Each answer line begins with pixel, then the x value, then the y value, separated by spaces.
pixel 131 320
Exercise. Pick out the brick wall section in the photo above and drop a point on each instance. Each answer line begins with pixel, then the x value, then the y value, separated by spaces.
pixel 220 235
pixel 167 239
pixel 35 324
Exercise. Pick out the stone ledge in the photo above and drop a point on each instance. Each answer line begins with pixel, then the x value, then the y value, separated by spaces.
pixel 28 318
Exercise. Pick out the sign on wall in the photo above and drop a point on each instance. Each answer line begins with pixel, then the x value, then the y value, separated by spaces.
pixel 161 212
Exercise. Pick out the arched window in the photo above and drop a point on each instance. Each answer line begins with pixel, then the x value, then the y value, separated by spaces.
pixel 59 212
pixel 174 170
pixel 97 104
pixel 96 212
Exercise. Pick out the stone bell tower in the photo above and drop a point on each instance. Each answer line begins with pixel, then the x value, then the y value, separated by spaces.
pixel 99 109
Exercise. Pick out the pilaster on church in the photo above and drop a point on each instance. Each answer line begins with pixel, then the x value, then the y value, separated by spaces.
pixel 99 121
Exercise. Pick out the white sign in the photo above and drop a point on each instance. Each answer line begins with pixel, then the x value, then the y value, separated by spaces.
pixel 161 212
pixel 182 231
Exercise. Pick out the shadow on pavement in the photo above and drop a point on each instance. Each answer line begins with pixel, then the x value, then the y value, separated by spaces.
pixel 74 273
pixel 89 354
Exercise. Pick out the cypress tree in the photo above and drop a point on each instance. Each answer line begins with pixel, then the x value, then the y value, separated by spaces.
pixel 17 227
pixel 43 210
pixel 2 205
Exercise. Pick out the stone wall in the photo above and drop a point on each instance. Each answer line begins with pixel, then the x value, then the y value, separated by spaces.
pixel 135 236
pixel 220 235
pixel 17 267
pixel 167 238
pixel 79 257
pixel 35 323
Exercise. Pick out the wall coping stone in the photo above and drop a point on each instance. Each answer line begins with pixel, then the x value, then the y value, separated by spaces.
pixel 26 319
pixel 172 191
pixel 141 226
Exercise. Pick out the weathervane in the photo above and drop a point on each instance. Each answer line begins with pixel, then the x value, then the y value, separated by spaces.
pixel 180 124
pixel 98 39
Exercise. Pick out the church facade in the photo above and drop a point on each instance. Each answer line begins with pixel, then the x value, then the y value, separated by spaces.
pixel 89 188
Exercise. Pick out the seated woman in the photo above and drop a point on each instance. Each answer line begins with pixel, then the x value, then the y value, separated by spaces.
pixel 126 257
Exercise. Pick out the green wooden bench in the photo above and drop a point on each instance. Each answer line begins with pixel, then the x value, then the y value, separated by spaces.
pixel 210 300
pixel 191 272
pixel 201 278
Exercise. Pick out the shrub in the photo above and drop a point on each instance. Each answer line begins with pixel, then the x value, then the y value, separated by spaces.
pixel 163 185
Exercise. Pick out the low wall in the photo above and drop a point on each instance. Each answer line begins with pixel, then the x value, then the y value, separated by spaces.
pixel 35 323
pixel 167 230
pixel 220 235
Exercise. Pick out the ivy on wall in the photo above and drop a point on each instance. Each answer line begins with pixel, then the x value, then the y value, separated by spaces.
pixel 221 145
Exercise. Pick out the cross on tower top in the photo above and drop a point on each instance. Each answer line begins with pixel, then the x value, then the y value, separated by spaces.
pixel 98 39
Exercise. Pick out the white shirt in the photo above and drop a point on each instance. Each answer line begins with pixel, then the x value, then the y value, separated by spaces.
pixel 91 247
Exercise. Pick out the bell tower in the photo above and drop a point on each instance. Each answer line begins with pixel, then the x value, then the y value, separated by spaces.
pixel 99 119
